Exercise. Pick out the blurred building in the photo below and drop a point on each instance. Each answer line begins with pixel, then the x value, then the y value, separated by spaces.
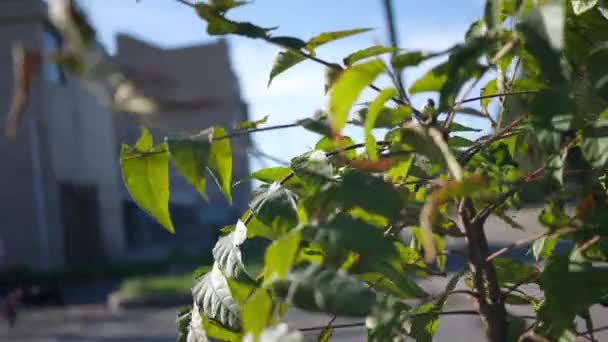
pixel 62 201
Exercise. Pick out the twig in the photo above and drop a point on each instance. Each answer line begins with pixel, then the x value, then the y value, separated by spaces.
pixel 337 326
pixel 483 214
pixel 585 246
pixel 452 113
pixel 421 314
pixel 489 96
pixel 470 152
pixel 528 240
pixel 600 329
pixel 328 326
pixel 514 245
pixel 390 21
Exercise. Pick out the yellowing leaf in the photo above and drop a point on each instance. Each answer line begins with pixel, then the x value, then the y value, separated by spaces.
pixel 347 89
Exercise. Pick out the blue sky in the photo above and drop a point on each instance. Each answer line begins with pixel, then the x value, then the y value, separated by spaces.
pixel 422 24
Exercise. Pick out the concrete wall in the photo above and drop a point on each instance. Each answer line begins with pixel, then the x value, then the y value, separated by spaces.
pixel 66 138
pixel 19 215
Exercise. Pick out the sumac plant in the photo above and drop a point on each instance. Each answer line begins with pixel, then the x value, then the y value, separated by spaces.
pixel 348 228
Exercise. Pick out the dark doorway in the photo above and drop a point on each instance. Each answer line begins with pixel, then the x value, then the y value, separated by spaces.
pixel 81 228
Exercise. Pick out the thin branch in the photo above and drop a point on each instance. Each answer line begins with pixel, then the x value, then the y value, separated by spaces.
pixel 483 214
pixel 390 21
pixel 516 244
pixel 600 329
pixel 528 240
pixel 452 113
pixel 489 96
pixel 329 325
pixel 585 246
pixel 189 4
pixel 503 133
pixel 337 326
pixel 421 314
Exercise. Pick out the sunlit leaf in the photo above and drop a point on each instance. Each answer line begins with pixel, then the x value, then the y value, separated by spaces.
pixel 212 295
pixel 372 114
pixel 582 6
pixel 407 59
pixel 145 172
pixel 326 37
pixel 195 154
pixel 371 51
pixel 251 124
pixel 347 88
pixel 256 312
pixel 281 255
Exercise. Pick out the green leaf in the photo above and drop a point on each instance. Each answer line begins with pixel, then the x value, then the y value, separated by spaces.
pixel 195 154
pixel 327 37
pixel 543 30
pixel 381 282
pixel 145 172
pixel 215 331
pixel 370 121
pixel 272 174
pixel 345 232
pixel 316 289
pixel 598 71
pixel 227 253
pixel 543 248
pixel 570 286
pixel 319 123
pixel 289 42
pixel 212 295
pixel 276 205
pixel 281 255
pixel 251 124
pixel 190 326
pixel 511 271
pixel 492 14
pixel 220 161
pixel 489 89
pixel 553 217
pixel 331 75
pixel 458 141
pixel 456 127
pixel 285 60
pixel 325 334
pixel 371 51
pixel 328 144
pixel 448 77
pixel 257 312
pixel 407 59
pixel 358 189
pixel 240 291
pixel 225 5
pixel 388 117
pixel 582 6
pixel 217 24
pixel 347 88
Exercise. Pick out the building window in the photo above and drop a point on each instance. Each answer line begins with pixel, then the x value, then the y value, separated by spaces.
pixel 51 42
